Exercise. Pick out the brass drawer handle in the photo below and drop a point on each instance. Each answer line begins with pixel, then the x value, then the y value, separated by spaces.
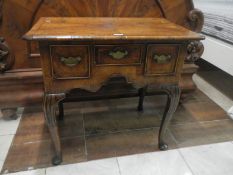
pixel 162 59
pixel 118 53
pixel 71 61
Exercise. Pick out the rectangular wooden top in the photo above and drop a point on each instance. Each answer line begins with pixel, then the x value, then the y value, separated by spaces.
pixel 93 28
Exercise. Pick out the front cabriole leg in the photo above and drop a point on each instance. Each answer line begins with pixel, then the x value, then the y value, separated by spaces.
pixel 173 92
pixel 50 103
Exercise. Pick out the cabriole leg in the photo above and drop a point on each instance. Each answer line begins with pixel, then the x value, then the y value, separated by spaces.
pixel 173 92
pixel 50 103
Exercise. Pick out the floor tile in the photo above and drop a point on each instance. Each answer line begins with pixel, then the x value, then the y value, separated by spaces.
pixel 33 127
pixel 159 163
pixel 193 108
pixel 125 143
pixel 5 143
pixel 200 133
pixel 32 172
pixel 8 127
pixel 199 110
pixel 100 167
pixel 196 96
pixel 214 159
pixel 39 154
pixel 120 119
pixel 181 116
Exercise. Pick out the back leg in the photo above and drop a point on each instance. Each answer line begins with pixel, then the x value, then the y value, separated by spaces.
pixel 141 93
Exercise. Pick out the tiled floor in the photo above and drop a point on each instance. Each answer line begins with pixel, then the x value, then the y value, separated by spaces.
pixel 213 159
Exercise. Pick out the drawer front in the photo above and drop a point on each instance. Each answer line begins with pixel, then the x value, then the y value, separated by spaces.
pixel 118 54
pixel 70 61
pixel 161 59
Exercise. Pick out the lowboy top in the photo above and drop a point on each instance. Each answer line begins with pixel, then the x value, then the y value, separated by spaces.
pixel 87 28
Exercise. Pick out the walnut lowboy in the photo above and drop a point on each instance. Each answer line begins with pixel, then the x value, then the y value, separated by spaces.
pixel 85 53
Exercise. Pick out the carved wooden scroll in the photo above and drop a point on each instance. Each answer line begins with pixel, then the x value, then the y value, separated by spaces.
pixel 196 20
pixel 195 49
pixel 6 57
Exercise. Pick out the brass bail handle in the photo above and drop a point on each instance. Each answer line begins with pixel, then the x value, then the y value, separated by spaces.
pixel 118 53
pixel 162 59
pixel 71 61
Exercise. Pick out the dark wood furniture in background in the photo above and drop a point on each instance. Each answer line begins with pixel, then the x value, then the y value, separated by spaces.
pixel 84 53
pixel 21 77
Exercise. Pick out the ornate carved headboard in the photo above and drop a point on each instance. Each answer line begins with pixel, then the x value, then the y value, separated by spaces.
pixel 17 16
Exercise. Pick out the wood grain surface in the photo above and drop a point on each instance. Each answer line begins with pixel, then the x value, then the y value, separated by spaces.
pixel 109 28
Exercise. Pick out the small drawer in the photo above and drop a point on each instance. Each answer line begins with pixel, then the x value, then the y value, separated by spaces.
pixel 70 61
pixel 118 54
pixel 161 59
